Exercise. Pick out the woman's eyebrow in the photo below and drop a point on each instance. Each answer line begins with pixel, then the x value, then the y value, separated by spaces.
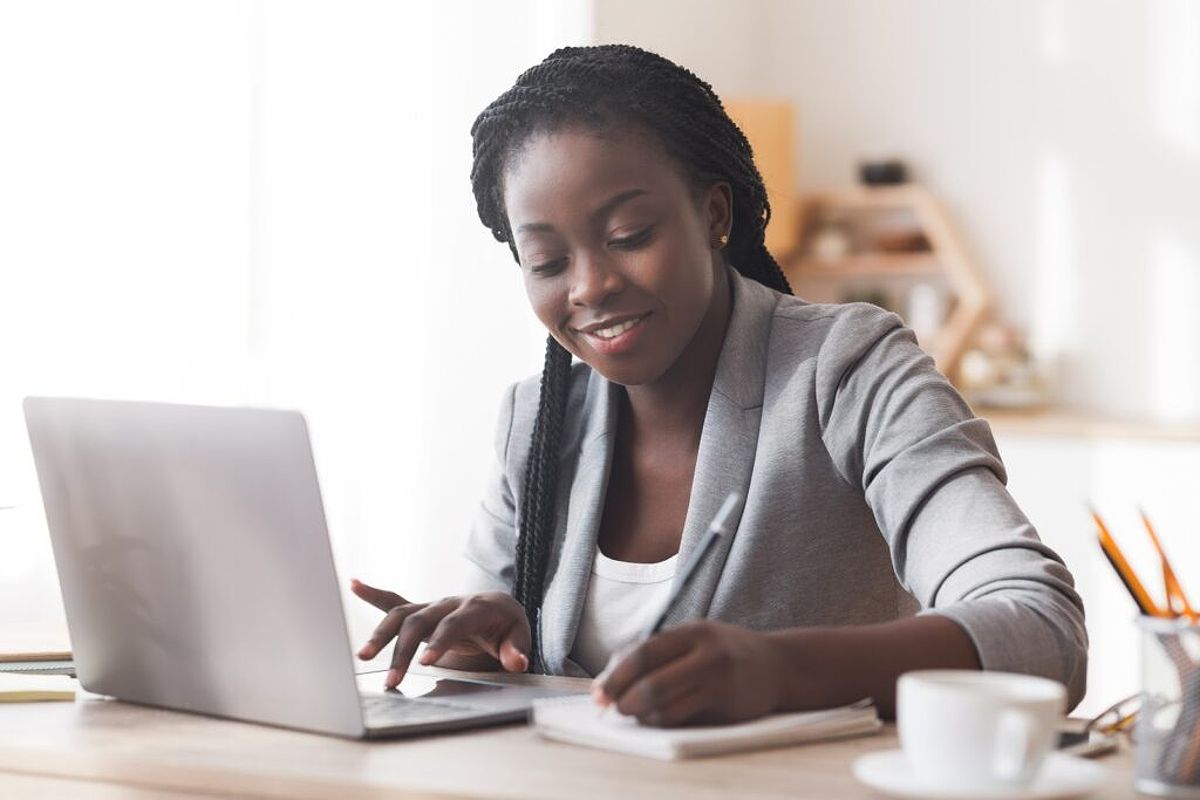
pixel 616 200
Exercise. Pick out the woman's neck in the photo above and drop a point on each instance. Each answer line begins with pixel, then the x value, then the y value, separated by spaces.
pixel 675 403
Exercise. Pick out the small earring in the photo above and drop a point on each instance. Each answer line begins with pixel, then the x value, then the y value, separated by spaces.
pixel 724 239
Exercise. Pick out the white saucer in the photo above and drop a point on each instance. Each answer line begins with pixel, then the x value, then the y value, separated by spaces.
pixel 1062 776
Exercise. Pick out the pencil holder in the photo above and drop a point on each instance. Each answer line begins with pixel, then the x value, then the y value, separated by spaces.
pixel 1168 722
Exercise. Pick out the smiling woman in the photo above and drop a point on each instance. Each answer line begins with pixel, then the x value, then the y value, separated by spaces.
pixel 617 253
pixel 633 206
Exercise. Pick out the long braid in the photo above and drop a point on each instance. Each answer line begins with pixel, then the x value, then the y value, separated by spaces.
pixel 600 87
pixel 541 479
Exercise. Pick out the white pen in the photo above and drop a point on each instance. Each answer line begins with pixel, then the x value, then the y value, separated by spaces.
pixel 716 528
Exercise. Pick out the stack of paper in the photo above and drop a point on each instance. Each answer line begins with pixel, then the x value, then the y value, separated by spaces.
pixel 575 719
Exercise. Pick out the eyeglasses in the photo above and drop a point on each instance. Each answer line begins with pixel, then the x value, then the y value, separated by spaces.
pixel 1117 718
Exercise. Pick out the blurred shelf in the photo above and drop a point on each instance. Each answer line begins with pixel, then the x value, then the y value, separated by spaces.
pixel 859 211
pixel 901 196
pixel 867 265
pixel 1080 424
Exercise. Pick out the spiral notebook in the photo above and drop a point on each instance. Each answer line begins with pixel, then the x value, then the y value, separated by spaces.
pixel 575 720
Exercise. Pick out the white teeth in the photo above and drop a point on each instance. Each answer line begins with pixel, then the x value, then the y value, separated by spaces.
pixel 616 330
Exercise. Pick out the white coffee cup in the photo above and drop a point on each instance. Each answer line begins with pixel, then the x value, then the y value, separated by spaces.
pixel 964 730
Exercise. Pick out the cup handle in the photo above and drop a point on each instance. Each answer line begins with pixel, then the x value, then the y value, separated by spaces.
pixel 1016 739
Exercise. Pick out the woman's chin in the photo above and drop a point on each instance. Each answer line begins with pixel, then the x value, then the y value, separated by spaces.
pixel 626 374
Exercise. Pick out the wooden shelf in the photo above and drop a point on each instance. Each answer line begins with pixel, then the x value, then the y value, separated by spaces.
pixel 867 265
pixel 862 208
pixel 870 198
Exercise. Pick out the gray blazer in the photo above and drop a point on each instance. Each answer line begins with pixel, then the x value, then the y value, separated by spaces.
pixel 871 491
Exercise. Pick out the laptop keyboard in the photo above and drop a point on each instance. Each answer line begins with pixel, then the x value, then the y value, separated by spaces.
pixel 385 710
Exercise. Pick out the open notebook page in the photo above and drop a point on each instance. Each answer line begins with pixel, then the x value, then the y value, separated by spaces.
pixel 576 720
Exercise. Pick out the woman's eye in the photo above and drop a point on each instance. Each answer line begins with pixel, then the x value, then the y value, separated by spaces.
pixel 636 240
pixel 548 267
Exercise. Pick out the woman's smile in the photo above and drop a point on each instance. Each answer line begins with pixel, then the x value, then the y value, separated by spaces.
pixel 617 336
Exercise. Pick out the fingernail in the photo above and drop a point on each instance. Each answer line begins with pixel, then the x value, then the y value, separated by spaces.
pixel 427 657
pixel 393 678
pixel 364 653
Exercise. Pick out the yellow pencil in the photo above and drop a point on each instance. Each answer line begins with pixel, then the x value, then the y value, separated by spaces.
pixel 1124 571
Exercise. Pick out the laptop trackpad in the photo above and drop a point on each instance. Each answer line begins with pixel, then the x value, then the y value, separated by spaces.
pixel 426 686
pixel 472 694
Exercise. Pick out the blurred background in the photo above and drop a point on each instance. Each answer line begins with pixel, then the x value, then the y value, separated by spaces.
pixel 267 203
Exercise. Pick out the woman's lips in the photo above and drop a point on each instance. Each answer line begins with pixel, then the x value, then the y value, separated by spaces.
pixel 618 338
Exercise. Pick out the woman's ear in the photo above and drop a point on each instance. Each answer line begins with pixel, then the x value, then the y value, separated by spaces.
pixel 718 207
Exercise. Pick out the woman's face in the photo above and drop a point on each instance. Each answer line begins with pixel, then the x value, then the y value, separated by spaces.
pixel 618 253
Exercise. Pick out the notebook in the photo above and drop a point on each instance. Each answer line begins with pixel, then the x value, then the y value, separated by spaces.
pixel 16 688
pixel 35 650
pixel 37 667
pixel 575 720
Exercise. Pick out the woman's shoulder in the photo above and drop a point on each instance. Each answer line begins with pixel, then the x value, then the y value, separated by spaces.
pixel 802 329
pixel 834 333
pixel 832 320
pixel 852 356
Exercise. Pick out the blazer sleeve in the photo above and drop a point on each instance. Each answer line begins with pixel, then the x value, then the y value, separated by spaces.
pixel 492 541
pixel 932 475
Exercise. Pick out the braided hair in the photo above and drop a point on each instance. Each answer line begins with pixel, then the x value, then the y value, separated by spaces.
pixel 596 87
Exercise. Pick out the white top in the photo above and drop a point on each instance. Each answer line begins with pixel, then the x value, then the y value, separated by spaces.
pixel 623 599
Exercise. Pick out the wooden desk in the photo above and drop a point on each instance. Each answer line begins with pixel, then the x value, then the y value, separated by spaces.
pixel 97 748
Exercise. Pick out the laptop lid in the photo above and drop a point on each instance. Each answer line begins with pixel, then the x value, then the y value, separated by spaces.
pixel 194 560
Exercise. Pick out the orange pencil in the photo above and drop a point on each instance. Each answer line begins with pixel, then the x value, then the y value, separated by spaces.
pixel 1177 602
pixel 1124 571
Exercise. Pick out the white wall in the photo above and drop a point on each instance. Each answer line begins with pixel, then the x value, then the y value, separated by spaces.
pixel 124 200
pixel 721 41
pixel 268 203
pixel 1063 135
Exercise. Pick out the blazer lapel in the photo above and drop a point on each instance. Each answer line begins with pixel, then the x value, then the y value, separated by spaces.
pixel 562 605
pixel 729 438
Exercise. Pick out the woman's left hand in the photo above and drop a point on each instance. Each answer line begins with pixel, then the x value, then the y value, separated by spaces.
pixel 704 671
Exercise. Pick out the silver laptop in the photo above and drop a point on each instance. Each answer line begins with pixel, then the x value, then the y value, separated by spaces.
pixel 196 572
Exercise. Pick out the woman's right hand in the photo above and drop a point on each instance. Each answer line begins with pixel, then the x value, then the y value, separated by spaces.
pixel 492 624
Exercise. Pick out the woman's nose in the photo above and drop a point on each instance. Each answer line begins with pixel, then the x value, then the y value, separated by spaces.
pixel 593 279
